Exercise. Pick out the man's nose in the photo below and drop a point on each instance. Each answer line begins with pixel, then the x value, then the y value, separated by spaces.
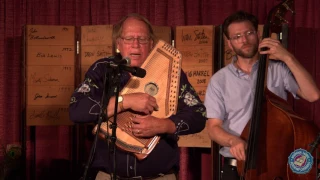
pixel 243 38
pixel 135 43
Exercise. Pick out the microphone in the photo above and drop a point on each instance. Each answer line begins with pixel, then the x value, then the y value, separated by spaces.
pixel 135 71
pixel 124 64
pixel 125 61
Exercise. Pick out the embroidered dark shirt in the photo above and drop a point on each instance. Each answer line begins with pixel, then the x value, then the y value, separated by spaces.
pixel 85 108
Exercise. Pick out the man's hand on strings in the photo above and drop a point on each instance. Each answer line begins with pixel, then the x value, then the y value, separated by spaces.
pixel 140 102
pixel 149 126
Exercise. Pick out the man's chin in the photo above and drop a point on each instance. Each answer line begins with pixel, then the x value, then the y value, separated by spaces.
pixel 246 55
pixel 136 63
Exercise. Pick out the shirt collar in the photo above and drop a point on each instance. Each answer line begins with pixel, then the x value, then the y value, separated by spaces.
pixel 239 72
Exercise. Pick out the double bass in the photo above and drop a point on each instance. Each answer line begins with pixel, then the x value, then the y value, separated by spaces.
pixel 275 131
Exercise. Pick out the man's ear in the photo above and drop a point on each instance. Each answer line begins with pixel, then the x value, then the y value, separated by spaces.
pixel 229 44
pixel 117 46
pixel 259 37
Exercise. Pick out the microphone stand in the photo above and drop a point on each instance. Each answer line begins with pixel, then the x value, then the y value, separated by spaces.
pixel 114 77
pixel 113 137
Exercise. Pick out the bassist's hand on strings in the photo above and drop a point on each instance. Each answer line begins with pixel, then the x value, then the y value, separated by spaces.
pixel 238 148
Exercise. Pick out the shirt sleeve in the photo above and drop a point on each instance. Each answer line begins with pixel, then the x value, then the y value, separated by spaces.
pixel 85 103
pixel 290 82
pixel 214 100
pixel 191 113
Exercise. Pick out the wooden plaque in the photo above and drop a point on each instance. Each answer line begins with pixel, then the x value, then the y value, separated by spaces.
pixel 49 72
pixel 196 44
pixel 96 43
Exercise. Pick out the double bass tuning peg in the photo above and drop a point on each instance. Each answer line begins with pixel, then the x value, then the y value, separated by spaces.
pixel 288 8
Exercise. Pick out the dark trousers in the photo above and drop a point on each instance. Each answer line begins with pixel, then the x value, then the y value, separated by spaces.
pixel 229 172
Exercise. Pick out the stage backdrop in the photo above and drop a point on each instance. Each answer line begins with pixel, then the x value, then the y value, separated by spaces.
pixel 53 144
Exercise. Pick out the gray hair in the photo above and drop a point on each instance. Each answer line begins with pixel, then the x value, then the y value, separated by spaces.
pixel 117 29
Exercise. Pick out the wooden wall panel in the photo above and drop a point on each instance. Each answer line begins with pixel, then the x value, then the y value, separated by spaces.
pixel 163 32
pixel 196 44
pixel 96 43
pixel 50 72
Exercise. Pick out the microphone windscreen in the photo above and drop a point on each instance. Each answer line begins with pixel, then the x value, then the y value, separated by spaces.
pixel 140 72
pixel 128 61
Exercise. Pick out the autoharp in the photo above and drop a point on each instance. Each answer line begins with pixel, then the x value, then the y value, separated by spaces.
pixel 163 66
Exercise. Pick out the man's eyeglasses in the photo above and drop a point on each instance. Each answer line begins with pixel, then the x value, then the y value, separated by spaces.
pixel 247 34
pixel 130 40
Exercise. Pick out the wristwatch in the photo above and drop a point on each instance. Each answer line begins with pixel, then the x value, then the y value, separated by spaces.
pixel 120 102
